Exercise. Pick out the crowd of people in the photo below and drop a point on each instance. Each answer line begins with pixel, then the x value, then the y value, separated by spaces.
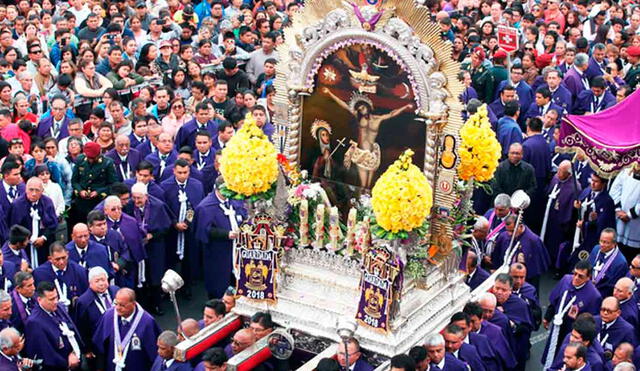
pixel 112 118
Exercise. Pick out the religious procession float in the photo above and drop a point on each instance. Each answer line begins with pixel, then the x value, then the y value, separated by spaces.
pixel 359 211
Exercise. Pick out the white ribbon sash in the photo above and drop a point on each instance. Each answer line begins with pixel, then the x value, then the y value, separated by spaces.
pixel 555 329
pixel 71 336
pixel 121 346
pixel 182 215
pixel 576 236
pixel 62 293
pixel 231 214
pixel 552 197
pixel 141 269
pixel 35 233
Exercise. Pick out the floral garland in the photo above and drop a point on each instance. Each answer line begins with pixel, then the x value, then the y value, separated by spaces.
pixel 401 200
pixel 479 149
pixel 249 164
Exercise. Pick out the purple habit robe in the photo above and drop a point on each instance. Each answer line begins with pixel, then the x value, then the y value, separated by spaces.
pixel 536 153
pixel 617 269
pixel 96 256
pixel 469 355
pixel 536 257
pixel 154 159
pixel 186 135
pixel 153 189
pixel 137 359
pixel 518 312
pixel 631 314
pixel 195 193
pixel 75 278
pixel 5 203
pixel 156 220
pixel 205 163
pixel 44 339
pixel 118 252
pixel 45 128
pixel 588 299
pixel 125 169
pixel 529 294
pixel 595 356
pixel 476 278
pixel 20 310
pixel 19 213
pixel 561 223
pixel 168 173
pixel 620 331
pixel 502 321
pixel 89 310
pixel 8 269
pixel 132 234
pixel 8 364
pixel 10 256
pixel 212 227
pixel 485 350
pixel 499 344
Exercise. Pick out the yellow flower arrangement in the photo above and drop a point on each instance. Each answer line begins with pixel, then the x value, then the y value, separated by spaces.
pixel 249 163
pixel 402 197
pixel 479 149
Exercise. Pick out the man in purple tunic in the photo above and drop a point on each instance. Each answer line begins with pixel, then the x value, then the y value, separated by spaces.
pixel 624 292
pixel 587 300
pixel 50 334
pixel 125 158
pixel 204 160
pixel 529 250
pixel 536 153
pixel 559 215
pixel 498 342
pixel 583 332
pixel 167 342
pixel 11 343
pixel 217 222
pixel 481 342
pixel 35 211
pixel 165 156
pixel 126 335
pixel 117 250
pixel 13 250
pixel 611 328
pixel 475 273
pixel 187 133
pixel 525 291
pixel 11 186
pixel 91 305
pixel 87 253
pixel 455 345
pixel 154 217
pixel 609 264
pixel 69 278
pixel 185 153
pixel 132 234
pixel 519 315
pixel 144 175
pixel 22 299
pixel 488 303
pixel 183 193
pixel 438 357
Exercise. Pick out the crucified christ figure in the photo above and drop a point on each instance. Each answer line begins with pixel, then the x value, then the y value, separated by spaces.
pixel 366 152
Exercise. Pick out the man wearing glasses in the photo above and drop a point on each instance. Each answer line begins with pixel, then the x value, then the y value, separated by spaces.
pixel 612 330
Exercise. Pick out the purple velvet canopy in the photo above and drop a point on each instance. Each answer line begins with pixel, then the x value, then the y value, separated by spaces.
pixel 610 138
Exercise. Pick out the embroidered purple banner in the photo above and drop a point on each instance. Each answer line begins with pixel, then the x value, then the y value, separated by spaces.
pixel 610 139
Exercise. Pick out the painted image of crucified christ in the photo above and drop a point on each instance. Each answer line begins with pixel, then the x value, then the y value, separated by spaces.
pixel 365 153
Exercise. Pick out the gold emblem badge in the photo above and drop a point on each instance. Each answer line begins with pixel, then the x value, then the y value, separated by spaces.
pixel 583 255
pixel 374 300
pixel 256 274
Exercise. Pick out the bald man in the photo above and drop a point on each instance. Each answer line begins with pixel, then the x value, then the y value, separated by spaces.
pixel 35 211
pixel 243 339
pixel 127 317
pixel 514 173
pixel 125 158
pixel 624 292
pixel 488 303
pixel 88 253
pixel 165 155
pixel 612 329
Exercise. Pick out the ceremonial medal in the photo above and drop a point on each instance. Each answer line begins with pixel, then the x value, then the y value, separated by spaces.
pixel 135 343
pixel 190 215
pixel 583 255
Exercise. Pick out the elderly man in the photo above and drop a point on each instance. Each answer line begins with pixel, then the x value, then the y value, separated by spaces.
pixel 154 217
pixel 612 329
pixel 624 292
pixel 91 305
pixel 436 353
pixel 623 353
pixel 217 221
pixel 242 339
pixel 35 211
pixel 514 173
pixel 609 264
pixel 5 310
pixel 527 249
pixel 518 314
pixel 167 341
pixel 575 80
pixel 11 344
pixel 476 275
pixel 165 156
pixel 125 158
pixel 75 131
pixel 23 300
pixel 69 278
pixel 55 125
pixel 501 209
pixel 625 192
pixel 356 362
pixel 478 240
pixel 559 219
pixel 133 236
pixel 573 295
pixel 525 291
pixel 87 253
pixel 50 333
pixel 488 303
pixel 128 327
pixel 454 344
pixel 189 328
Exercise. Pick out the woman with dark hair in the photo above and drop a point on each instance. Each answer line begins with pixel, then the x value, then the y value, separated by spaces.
pixel 602 35
pixel 105 137
pixel 74 149
pixel 87 54
pixel 146 65
pixel 91 126
pixel 39 154
pixel 123 79
pixel 573 20
pixel 5 95
pixel 109 96
pixel 90 86
pixel 276 23
pixel 549 42
pixel 179 83
pixel 177 117
pixel 194 71
pixel 11 54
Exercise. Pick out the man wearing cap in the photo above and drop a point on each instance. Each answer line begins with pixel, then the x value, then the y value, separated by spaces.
pixel 167 62
pixel 594 100
pixel 499 69
pixel 633 76
pixel 92 176
pixel 143 14
pixel 481 77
